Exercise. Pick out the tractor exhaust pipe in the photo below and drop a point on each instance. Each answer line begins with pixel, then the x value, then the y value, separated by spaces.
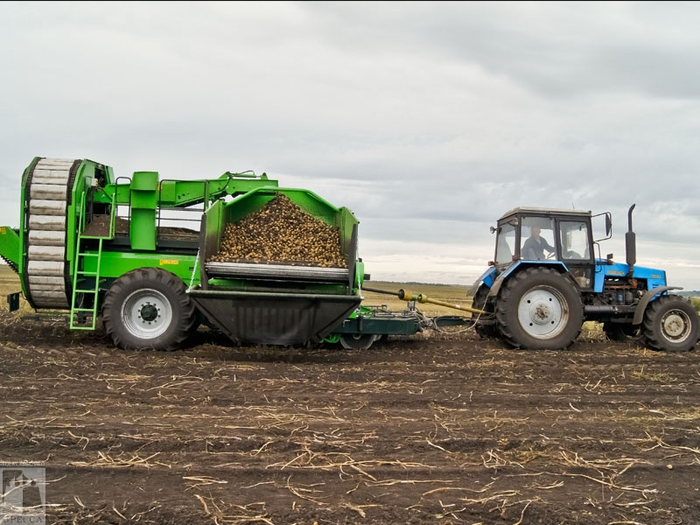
pixel 630 242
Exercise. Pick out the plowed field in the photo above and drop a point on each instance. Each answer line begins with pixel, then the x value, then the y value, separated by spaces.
pixel 435 428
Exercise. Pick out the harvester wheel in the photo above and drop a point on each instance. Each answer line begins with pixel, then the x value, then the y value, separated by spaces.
pixel 148 308
pixel 672 324
pixel 357 341
pixel 539 309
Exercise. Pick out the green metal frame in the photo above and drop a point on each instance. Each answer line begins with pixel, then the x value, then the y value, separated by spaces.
pixel 115 264
pixel 149 195
pixel 182 194
pixel 10 246
pixel 86 174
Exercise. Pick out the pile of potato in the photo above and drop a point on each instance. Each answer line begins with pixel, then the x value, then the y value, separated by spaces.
pixel 281 233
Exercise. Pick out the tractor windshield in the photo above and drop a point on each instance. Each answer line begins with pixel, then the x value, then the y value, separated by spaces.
pixel 537 237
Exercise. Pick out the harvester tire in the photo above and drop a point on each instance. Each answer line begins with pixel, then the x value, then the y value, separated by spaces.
pixel 671 324
pixel 148 308
pixel 539 309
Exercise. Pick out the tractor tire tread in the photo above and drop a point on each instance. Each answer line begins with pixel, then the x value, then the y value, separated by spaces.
pixel 652 332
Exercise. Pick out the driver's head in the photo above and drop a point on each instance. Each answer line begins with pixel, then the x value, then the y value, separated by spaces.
pixel 536 231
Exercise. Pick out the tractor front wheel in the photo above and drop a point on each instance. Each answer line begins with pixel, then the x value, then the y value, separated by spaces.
pixel 148 308
pixel 539 309
pixel 671 324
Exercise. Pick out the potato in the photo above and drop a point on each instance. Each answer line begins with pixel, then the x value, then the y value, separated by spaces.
pixel 281 233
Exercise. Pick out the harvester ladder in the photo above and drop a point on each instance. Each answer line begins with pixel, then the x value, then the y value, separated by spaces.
pixel 81 276
pixel 77 312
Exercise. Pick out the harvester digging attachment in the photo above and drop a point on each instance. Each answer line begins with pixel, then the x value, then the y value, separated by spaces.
pixel 440 321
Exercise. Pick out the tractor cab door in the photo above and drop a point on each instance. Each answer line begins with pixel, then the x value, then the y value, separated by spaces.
pixel 506 243
pixel 576 242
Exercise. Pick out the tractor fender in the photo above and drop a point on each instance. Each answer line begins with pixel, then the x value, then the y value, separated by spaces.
pixel 520 265
pixel 487 278
pixel 646 299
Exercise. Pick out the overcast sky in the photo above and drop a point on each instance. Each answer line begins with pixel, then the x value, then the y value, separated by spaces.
pixel 428 120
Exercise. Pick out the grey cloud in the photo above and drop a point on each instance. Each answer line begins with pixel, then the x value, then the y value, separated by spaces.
pixel 557 49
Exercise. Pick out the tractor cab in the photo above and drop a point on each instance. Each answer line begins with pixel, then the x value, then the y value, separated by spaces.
pixel 537 236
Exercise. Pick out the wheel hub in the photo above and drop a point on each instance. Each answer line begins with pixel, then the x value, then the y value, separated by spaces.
pixel 149 312
pixel 542 312
pixel 675 325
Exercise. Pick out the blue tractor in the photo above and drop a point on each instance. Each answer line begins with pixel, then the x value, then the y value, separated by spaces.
pixel 548 278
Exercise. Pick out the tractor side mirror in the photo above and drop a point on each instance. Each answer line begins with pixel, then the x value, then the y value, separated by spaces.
pixel 607 217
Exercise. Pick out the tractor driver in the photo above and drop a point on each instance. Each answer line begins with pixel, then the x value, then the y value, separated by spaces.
pixel 534 247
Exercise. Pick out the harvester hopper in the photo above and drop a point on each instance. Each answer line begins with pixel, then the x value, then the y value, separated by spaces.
pixel 273 289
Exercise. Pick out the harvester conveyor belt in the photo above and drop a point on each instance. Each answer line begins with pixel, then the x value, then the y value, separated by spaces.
pixel 276 272
pixel 47 192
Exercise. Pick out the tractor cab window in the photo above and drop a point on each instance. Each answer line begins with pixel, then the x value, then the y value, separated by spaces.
pixel 537 238
pixel 505 243
pixel 576 251
pixel 574 240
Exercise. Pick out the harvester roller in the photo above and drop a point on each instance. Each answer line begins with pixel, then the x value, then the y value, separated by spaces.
pixel 47 190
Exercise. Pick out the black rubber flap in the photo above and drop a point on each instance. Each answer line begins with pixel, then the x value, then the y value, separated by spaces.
pixel 274 318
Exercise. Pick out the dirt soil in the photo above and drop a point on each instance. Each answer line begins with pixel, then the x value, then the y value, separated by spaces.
pixel 437 428
pixel 99 227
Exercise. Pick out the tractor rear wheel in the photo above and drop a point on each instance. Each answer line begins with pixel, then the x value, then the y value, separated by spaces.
pixel 148 308
pixel 671 324
pixel 623 333
pixel 539 309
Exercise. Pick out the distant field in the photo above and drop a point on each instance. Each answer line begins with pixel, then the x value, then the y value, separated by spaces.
pixel 451 294
pixel 9 283
pixel 8 279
